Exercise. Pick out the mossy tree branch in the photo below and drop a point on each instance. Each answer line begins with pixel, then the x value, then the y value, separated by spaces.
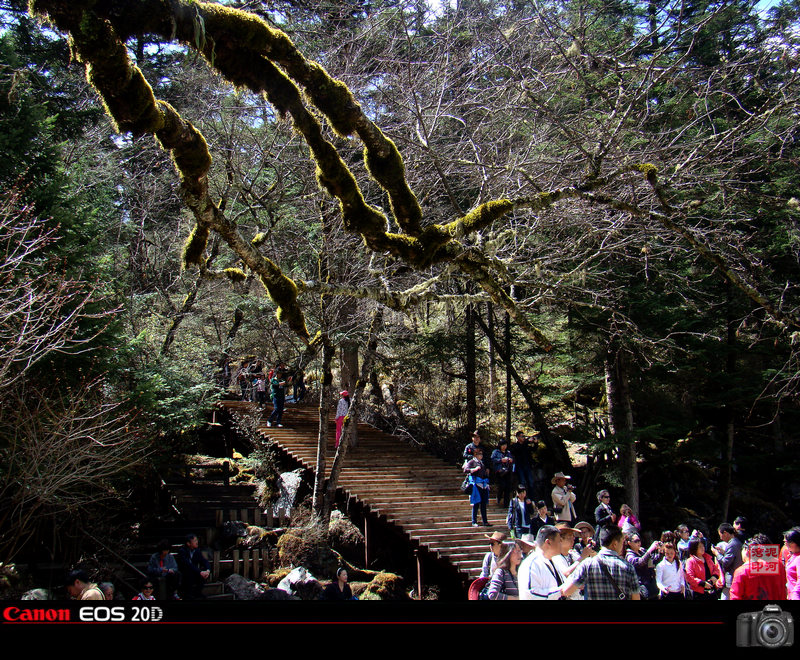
pixel 246 50
pixel 129 100
pixel 401 301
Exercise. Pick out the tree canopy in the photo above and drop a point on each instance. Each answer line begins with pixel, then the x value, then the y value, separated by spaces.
pixel 618 177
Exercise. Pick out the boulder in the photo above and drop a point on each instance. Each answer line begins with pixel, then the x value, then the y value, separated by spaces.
pixel 244 589
pixel 301 584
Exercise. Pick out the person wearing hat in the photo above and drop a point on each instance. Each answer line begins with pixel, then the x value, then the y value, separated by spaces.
pixel 341 412
pixel 496 551
pixel 586 539
pixel 563 496
pixel 502 465
pixel 568 559
pixel 527 543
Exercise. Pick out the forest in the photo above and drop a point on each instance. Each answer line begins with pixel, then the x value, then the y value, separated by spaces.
pixel 579 217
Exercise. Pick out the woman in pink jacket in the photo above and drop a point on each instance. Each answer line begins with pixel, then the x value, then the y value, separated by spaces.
pixel 792 539
pixel 702 572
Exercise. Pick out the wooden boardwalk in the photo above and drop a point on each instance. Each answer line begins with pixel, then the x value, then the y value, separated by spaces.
pixel 397 482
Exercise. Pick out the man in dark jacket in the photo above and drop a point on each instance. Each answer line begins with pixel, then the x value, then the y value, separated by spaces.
pixel 523 463
pixel 194 567
pixel 729 557
pixel 520 513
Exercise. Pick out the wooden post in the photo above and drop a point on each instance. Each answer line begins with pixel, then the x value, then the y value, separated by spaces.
pixel 215 564
pixel 235 568
pixel 419 575
pixel 366 542
pixel 246 567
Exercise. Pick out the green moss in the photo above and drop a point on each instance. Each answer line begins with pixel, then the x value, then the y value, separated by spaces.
pixel 390 172
pixel 283 292
pixel 192 157
pixel 316 342
pixel 649 170
pixel 247 30
pixel 479 218
pixel 235 274
pixel 133 107
pixel 333 98
pixel 195 246
pixel 188 146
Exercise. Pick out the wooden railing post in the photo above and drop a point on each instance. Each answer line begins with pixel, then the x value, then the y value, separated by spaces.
pixel 419 575
pixel 366 542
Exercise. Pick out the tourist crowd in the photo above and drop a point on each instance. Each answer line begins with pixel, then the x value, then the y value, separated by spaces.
pixel 552 555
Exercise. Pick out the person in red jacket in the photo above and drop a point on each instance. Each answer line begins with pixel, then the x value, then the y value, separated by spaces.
pixel 702 572
pixel 751 582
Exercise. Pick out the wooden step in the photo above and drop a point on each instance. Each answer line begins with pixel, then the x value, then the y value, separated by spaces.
pixel 400 483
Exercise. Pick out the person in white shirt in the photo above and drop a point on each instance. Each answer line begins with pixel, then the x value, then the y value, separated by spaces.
pixel 569 559
pixel 669 575
pixel 538 577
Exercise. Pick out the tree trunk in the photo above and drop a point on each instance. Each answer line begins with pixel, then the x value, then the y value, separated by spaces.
pixel 348 364
pixel 554 444
pixel 509 374
pixel 188 302
pixel 726 469
pixel 492 361
pixel 348 435
pixel 318 498
pixel 620 415
pixel 469 368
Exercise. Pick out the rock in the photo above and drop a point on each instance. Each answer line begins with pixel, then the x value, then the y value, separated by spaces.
pixel 301 584
pixel 345 536
pixel 248 590
pixel 288 482
pixel 233 529
pixel 244 589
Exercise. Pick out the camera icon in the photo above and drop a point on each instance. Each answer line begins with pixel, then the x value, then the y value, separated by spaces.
pixel 770 628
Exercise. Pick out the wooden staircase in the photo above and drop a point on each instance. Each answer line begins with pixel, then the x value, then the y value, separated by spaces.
pixel 396 482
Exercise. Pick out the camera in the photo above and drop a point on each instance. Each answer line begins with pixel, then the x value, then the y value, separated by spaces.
pixel 770 628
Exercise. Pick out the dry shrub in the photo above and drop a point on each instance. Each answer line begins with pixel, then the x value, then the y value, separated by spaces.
pixel 274 578
pixel 386 586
